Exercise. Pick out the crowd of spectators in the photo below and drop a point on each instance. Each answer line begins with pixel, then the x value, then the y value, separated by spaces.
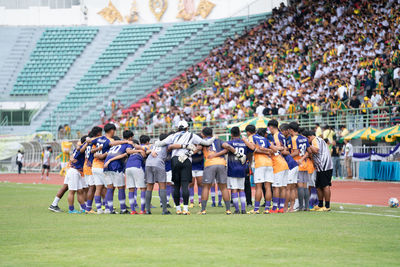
pixel 310 57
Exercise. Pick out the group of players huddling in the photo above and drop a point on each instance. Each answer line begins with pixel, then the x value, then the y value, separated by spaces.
pixel 289 165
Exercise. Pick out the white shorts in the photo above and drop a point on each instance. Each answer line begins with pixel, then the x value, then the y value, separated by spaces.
pixel 169 177
pixel 312 178
pixel 98 176
pixel 74 179
pixel 293 175
pixel 84 182
pixel 263 175
pixel 117 179
pixel 236 183
pixel 198 173
pixel 63 164
pixel 89 180
pixel 280 179
pixel 135 178
pixel 66 178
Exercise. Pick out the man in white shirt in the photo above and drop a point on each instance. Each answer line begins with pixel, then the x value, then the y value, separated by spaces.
pixel 20 161
pixel 375 99
pixel 396 77
pixel 348 156
pixel 46 162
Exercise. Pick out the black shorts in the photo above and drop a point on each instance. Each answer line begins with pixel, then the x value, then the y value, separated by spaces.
pixel 181 171
pixel 44 166
pixel 323 179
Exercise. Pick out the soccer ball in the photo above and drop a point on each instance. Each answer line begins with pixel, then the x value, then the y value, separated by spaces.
pixel 393 202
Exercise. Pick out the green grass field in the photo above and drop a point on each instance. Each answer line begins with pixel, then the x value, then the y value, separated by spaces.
pixel 32 235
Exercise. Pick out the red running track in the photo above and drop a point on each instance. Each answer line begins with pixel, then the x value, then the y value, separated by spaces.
pixel 355 192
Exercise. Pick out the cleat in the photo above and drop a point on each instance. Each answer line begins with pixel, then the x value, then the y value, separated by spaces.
pixel 185 212
pixel 203 212
pixel 228 212
pixel 220 205
pixel 191 206
pixel 107 212
pixel 166 213
pixel 168 206
pixel 148 212
pixel 236 212
pixel 124 212
pixel 90 212
pixel 100 211
pixel 267 211
pixel 254 212
pixel 244 212
pixel 271 211
pixel 213 205
pixel 74 212
pixel 113 212
pixel 281 210
pixel 133 212
pixel 315 208
pixel 199 205
pixel 142 212
pixel 54 208
pixel 178 212
pixel 327 209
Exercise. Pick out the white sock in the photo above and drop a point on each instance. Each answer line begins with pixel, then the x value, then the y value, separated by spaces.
pixel 178 208
pixel 55 201
pixel 296 203
pixel 185 208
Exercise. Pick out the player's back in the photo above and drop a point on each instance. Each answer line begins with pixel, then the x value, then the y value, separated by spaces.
pixel 322 159
pixel 114 151
pixel 215 147
pixel 104 143
pixel 198 161
pixel 159 160
pixel 278 162
pixel 235 167
pixel 260 159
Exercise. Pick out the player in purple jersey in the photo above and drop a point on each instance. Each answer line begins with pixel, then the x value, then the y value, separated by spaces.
pixel 75 177
pixel 197 174
pixel 134 170
pixel 291 194
pixel 237 169
pixel 114 167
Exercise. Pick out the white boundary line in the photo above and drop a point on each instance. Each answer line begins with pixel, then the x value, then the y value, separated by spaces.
pixel 366 213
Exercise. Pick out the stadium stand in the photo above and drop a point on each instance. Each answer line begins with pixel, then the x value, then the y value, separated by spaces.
pixel 163 47
pixel 54 54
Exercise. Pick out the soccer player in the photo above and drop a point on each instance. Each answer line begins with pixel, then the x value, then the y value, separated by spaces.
pixel 279 166
pixel 168 170
pixel 263 173
pixel 215 169
pixel 181 164
pixel 64 158
pixel 197 173
pixel 74 176
pixel 324 165
pixel 135 174
pixel 300 146
pixel 87 170
pixel 114 167
pixel 236 169
pixel 46 162
pixel 101 145
pixel 292 175
pixel 155 173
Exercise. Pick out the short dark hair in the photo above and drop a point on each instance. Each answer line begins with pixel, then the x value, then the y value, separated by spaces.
pixel 127 134
pixel 284 127
pixel 109 126
pixel 235 131
pixel 135 141
pixel 144 139
pixel 49 147
pixel 273 123
pixel 96 130
pixel 250 128
pixel 83 140
pixel 207 131
pixel 308 133
pixel 163 136
pixel 261 131
pixel 90 134
pixel 294 126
